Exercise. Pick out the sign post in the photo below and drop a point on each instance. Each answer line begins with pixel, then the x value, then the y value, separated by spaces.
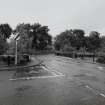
pixel 16 39
pixel 16 52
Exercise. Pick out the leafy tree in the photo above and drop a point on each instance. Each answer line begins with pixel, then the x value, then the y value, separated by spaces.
pixel 41 37
pixel 73 38
pixel 3 46
pixel 32 37
pixel 102 45
pixel 68 48
pixel 5 32
pixel 11 46
pixel 102 42
pixel 24 42
pixel 79 38
pixel 94 41
pixel 64 38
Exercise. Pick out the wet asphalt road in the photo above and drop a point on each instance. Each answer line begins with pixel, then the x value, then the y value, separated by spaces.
pixel 68 82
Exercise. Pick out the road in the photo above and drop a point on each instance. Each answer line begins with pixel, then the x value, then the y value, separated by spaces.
pixel 63 81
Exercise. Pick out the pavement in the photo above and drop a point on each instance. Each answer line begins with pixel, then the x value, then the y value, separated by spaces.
pixel 60 81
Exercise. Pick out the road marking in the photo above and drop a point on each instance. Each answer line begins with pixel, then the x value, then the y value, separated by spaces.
pixel 45 68
pixel 100 68
pixel 96 92
pixel 89 87
pixel 28 78
pixel 54 74
pixel 103 95
pixel 59 73
pixel 92 89
pixel 52 71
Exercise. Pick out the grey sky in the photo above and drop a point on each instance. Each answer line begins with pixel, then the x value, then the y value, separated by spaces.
pixel 57 14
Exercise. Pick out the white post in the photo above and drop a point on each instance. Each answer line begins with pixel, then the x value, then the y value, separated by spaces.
pixel 16 53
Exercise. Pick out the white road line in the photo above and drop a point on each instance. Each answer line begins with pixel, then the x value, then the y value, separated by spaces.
pixel 49 71
pixel 89 87
pixel 92 89
pixel 97 92
pixel 52 71
pixel 103 95
pixel 100 68
pixel 28 78
pixel 58 72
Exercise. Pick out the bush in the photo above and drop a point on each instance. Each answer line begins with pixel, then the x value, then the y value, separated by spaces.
pixel 101 59
pixel 4 58
pixel 23 59
pixel 68 48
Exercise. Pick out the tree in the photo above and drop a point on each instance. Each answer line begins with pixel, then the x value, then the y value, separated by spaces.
pixel 94 42
pixel 102 42
pixel 41 38
pixel 73 38
pixel 5 32
pixel 3 46
pixel 102 45
pixel 32 37
pixel 11 46
pixel 79 38
pixel 24 42
pixel 64 38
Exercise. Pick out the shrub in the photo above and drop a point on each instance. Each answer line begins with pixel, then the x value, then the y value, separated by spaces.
pixel 22 59
pixel 101 59
pixel 68 48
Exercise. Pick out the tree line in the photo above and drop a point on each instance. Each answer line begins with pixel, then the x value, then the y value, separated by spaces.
pixel 76 40
pixel 36 37
pixel 31 36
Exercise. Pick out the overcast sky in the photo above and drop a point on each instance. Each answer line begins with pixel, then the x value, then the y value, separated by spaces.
pixel 59 15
